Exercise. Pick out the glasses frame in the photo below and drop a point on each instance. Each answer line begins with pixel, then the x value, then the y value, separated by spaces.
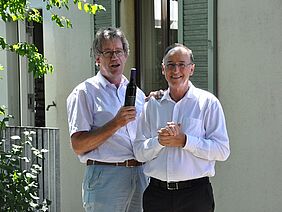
pixel 110 53
pixel 172 66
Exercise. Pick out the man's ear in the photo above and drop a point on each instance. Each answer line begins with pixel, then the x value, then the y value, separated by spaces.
pixel 163 69
pixel 97 60
pixel 192 70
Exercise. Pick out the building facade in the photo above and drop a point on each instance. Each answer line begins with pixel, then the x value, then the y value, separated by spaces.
pixel 237 48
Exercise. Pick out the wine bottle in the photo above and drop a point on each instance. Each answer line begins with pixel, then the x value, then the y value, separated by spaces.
pixel 130 94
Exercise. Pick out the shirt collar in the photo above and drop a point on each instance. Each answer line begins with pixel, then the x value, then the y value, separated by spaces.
pixel 104 82
pixel 189 94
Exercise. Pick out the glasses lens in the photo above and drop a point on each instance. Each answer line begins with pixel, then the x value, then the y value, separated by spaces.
pixel 107 53
pixel 118 53
pixel 181 65
pixel 170 66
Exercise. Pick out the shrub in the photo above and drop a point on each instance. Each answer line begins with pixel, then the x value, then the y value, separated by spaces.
pixel 19 175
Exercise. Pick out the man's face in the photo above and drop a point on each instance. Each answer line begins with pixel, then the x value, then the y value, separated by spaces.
pixel 178 67
pixel 112 60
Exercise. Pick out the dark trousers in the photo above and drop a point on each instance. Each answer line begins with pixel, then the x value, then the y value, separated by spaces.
pixel 198 198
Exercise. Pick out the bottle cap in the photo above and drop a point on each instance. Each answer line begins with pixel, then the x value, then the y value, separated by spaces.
pixel 133 73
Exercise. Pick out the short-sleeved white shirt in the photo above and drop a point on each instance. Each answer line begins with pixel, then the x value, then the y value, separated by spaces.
pixel 95 102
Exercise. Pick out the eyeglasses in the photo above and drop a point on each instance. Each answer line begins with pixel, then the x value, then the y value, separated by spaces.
pixel 172 66
pixel 110 53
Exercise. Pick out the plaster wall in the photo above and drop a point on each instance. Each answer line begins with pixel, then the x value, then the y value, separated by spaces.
pixel 250 86
pixel 69 51
pixel 3 74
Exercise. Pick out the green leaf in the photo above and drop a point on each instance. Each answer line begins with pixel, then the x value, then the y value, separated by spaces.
pixel 15 47
pixel 34 197
pixel 44 150
pixel 94 9
pixel 15 137
pixel 15 177
pixel 14 18
pixel 25 159
pixel 29 175
pixel 79 5
pixel 33 205
pixel 101 7
pixel 58 4
pixel 86 7
pixel 68 23
pixel 2 42
pixel 48 7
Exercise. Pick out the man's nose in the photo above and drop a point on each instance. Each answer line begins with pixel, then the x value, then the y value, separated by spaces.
pixel 114 54
pixel 176 67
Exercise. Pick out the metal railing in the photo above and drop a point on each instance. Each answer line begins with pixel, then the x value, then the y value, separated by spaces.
pixel 49 178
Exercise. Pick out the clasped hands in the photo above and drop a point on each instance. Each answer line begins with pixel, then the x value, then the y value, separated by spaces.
pixel 171 135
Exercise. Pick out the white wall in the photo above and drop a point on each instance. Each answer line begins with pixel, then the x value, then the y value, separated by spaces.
pixel 9 87
pixel 128 26
pixel 69 51
pixel 3 74
pixel 250 87
pixel 71 58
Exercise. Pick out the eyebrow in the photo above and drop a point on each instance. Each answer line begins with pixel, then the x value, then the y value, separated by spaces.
pixel 181 61
pixel 109 49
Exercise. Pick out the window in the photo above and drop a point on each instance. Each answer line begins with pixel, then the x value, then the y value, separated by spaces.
pixel 197 31
pixel 163 22
pixel 158 29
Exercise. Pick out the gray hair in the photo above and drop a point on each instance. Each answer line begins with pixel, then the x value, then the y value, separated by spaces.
pixel 178 45
pixel 109 33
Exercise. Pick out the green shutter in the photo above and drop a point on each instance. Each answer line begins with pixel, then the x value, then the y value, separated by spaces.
pixel 103 18
pixel 195 36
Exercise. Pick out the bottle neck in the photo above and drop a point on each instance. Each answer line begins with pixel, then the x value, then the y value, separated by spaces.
pixel 133 76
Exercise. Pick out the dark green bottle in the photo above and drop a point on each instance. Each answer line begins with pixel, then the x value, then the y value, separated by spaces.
pixel 130 94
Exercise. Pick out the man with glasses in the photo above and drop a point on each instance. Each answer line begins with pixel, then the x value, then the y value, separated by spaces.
pixel 102 130
pixel 180 136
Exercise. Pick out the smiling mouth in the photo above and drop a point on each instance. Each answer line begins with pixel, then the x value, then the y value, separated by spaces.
pixel 175 77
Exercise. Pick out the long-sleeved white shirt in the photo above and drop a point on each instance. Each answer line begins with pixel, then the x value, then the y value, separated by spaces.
pixel 202 120
pixel 91 105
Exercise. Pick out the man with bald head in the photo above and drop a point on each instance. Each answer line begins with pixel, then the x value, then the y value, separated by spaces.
pixel 180 136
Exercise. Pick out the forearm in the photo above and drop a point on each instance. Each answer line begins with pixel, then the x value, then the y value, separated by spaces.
pixel 146 150
pixel 208 149
pixel 83 142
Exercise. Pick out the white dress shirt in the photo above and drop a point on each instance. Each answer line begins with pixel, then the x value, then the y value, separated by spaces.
pixel 95 102
pixel 202 120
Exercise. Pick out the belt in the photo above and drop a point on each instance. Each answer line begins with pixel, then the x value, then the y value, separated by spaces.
pixel 178 185
pixel 127 163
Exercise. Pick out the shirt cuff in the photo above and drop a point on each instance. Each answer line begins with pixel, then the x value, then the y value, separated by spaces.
pixel 156 144
pixel 191 143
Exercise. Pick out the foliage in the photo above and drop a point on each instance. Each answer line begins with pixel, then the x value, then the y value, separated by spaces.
pixel 36 62
pixel 13 10
pixel 3 119
pixel 18 173
pixel 18 176
pixel 20 10
pixel 1 69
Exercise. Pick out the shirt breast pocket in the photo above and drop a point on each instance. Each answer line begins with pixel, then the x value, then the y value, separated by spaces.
pixel 192 126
